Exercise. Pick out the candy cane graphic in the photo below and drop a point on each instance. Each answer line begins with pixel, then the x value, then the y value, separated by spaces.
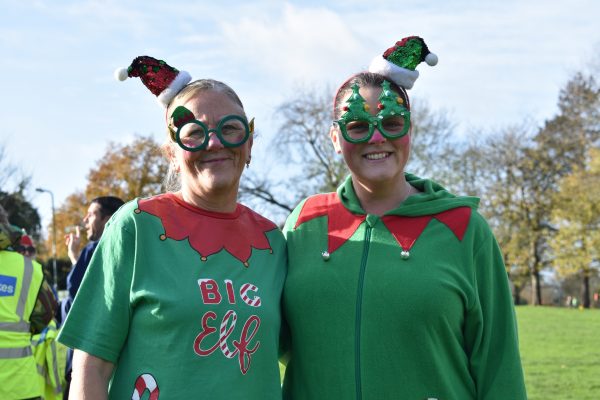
pixel 224 333
pixel 143 382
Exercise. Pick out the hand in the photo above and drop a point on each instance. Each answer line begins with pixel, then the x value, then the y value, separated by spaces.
pixel 73 241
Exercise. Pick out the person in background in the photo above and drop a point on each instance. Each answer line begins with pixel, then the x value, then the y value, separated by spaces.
pixel 50 356
pixel 182 297
pixel 26 246
pixel 99 212
pixel 396 288
pixel 27 305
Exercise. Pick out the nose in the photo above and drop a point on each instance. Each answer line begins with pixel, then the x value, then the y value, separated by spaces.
pixel 377 137
pixel 213 141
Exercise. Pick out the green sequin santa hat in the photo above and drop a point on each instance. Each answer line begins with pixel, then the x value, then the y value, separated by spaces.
pixel 159 77
pixel 398 63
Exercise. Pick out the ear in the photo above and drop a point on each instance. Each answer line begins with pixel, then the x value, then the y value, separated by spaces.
pixel 250 141
pixel 169 152
pixel 334 135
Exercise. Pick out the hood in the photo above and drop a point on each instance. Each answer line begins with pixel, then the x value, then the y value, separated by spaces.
pixel 432 199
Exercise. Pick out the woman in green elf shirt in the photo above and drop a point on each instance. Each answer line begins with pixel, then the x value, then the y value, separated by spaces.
pixel 396 288
pixel 182 296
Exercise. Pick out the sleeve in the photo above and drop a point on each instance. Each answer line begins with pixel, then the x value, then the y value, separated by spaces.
pixel 98 321
pixel 44 309
pixel 285 337
pixel 491 327
pixel 79 268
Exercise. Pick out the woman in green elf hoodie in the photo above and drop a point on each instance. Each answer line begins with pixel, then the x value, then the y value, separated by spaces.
pixel 396 288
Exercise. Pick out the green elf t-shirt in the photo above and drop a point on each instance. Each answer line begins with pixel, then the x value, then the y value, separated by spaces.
pixel 184 302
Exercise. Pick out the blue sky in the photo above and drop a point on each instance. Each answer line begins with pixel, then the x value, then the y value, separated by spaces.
pixel 500 62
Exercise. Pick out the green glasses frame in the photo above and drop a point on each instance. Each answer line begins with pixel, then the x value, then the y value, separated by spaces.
pixel 373 122
pixel 248 127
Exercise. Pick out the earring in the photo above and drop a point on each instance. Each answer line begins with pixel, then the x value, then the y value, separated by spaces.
pixel 248 161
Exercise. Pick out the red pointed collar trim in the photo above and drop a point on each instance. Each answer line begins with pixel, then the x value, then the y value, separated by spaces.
pixel 209 233
pixel 342 224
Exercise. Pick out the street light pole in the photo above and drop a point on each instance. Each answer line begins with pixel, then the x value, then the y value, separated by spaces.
pixel 54 274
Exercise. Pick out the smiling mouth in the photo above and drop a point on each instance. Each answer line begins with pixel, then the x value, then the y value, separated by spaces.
pixel 377 156
pixel 212 160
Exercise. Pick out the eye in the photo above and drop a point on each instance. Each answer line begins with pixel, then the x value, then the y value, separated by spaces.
pixel 393 124
pixel 231 128
pixel 357 126
pixel 192 134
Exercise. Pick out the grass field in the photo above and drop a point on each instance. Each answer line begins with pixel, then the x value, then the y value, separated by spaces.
pixel 560 350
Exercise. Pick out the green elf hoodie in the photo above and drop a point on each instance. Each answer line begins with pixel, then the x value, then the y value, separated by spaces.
pixel 414 304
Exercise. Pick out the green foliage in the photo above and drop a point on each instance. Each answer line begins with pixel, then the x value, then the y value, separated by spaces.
pixel 577 214
pixel 576 245
pixel 560 351
pixel 520 178
pixel 129 170
pixel 14 184
pixel 21 212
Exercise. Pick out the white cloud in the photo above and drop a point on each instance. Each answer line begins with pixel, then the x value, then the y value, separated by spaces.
pixel 299 44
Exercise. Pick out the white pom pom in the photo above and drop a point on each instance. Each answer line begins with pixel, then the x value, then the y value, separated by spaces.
pixel 431 59
pixel 121 74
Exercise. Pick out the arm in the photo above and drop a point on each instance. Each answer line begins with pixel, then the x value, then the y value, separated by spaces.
pixel 76 275
pixel 90 377
pixel 44 309
pixel 491 327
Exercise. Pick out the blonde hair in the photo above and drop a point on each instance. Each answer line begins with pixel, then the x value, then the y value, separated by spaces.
pixel 172 181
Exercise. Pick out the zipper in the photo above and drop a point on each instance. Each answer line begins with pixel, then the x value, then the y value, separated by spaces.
pixel 359 294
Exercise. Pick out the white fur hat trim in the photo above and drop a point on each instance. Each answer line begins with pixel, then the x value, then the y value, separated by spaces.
pixel 165 97
pixel 401 76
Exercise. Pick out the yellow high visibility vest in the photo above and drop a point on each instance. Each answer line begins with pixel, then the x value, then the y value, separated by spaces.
pixel 51 358
pixel 20 281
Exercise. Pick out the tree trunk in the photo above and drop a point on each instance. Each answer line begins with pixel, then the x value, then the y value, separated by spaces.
pixel 536 288
pixel 517 295
pixel 585 290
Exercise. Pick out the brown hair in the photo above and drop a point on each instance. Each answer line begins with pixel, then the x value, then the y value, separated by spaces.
pixel 364 79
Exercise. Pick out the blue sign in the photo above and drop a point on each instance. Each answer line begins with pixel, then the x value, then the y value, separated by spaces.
pixel 8 285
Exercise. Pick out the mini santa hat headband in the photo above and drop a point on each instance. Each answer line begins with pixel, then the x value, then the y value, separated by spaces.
pixel 398 63
pixel 159 77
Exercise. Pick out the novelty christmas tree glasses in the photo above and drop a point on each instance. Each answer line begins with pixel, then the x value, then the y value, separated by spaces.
pixel 193 135
pixel 358 125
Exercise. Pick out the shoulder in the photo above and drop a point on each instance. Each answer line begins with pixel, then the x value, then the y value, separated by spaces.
pixel 312 207
pixel 155 203
pixel 249 214
pixel 479 233
pixel 479 223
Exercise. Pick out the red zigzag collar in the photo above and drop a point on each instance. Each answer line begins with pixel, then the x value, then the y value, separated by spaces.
pixel 341 223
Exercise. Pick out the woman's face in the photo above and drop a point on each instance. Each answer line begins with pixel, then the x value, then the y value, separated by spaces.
pixel 378 161
pixel 215 170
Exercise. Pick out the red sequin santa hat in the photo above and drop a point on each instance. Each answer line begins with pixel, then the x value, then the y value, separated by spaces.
pixel 159 77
